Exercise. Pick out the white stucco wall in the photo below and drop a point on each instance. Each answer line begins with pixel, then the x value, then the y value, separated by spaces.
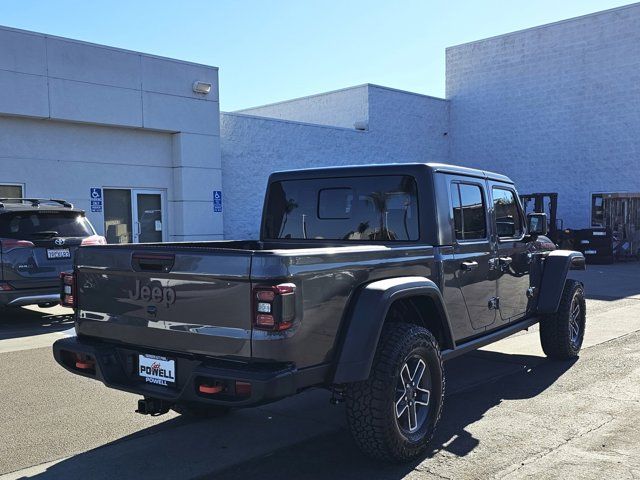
pixel 75 115
pixel 403 127
pixel 556 107
pixel 340 108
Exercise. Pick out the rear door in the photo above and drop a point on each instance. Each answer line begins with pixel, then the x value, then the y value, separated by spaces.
pixel 171 298
pixel 512 255
pixel 473 252
pixel 37 245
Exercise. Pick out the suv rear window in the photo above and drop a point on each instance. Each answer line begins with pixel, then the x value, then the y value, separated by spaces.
pixel 380 208
pixel 38 224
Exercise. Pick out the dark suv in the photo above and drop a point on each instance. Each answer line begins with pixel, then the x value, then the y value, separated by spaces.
pixel 38 239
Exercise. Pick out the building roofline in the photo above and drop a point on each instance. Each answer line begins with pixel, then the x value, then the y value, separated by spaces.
pixel 546 25
pixel 304 97
pixel 107 47
pixel 354 87
pixel 407 92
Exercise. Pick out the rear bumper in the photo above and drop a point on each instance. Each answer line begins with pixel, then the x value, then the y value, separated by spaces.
pixel 117 367
pixel 20 298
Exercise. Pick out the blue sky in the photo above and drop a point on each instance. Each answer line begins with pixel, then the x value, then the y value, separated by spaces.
pixel 275 50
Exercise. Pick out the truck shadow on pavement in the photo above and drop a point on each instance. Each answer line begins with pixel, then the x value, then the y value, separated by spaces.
pixel 477 383
pixel 23 322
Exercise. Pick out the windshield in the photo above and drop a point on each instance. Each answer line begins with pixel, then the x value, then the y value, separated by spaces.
pixel 380 208
pixel 40 224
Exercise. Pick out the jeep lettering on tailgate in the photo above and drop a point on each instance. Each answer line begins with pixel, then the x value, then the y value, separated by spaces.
pixel 147 293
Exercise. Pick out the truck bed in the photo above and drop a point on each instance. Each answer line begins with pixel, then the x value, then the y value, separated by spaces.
pixel 196 298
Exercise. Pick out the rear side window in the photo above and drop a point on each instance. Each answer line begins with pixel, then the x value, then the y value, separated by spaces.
pixel 469 212
pixel 381 208
pixel 41 224
pixel 508 218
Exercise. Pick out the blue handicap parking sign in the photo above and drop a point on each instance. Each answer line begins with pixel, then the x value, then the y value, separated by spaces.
pixel 96 200
pixel 217 201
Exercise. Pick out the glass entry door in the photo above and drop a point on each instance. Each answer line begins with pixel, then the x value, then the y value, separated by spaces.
pixel 147 212
pixel 133 215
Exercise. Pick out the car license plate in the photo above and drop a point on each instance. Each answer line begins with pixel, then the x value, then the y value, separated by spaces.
pixel 158 370
pixel 53 254
pixel 590 252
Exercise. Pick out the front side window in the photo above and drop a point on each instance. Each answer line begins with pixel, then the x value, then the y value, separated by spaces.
pixel 378 208
pixel 469 212
pixel 507 213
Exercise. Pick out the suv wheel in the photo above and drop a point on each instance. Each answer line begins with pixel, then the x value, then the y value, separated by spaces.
pixel 200 411
pixel 562 333
pixel 393 414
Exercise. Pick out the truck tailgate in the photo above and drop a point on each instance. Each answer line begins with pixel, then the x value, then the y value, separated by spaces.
pixel 188 300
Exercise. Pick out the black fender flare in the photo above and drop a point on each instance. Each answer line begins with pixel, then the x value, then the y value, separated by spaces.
pixel 554 275
pixel 367 316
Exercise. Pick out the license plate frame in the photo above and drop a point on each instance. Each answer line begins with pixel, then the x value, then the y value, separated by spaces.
pixel 58 253
pixel 157 370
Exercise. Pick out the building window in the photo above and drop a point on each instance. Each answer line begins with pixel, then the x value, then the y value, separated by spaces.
pixel 469 212
pixel 10 191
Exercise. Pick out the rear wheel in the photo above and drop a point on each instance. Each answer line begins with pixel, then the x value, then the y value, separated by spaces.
pixel 562 333
pixel 200 411
pixel 393 414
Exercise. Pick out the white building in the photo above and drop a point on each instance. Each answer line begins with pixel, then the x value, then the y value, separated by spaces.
pixel 76 117
pixel 555 107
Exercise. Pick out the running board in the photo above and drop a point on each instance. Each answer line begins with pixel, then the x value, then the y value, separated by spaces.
pixel 489 338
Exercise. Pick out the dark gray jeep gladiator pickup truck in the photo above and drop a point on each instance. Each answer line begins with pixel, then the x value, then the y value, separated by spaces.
pixel 364 280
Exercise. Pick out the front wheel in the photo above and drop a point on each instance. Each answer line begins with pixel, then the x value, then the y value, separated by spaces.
pixel 393 414
pixel 562 333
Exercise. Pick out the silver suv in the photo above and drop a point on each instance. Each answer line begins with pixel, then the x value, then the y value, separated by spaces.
pixel 38 239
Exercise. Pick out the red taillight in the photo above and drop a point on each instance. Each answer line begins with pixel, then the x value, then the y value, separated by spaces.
pixel 5 287
pixel 12 243
pixel 94 240
pixel 274 307
pixel 68 289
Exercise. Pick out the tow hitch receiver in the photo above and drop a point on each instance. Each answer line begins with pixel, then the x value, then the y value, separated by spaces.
pixel 152 406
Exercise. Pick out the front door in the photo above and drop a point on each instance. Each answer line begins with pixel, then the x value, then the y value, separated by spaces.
pixel 147 215
pixel 133 215
pixel 512 255
pixel 473 252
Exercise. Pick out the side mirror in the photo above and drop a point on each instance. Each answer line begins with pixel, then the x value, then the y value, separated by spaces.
pixel 537 224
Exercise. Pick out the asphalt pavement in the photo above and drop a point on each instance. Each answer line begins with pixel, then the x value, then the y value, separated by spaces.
pixel 509 413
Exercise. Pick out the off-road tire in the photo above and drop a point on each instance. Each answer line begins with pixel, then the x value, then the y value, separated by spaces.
pixel 201 411
pixel 555 331
pixel 371 404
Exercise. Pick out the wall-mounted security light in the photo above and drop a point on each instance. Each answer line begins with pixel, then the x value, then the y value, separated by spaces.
pixel 201 87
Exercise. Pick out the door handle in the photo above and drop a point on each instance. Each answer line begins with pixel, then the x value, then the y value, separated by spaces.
pixel 468 266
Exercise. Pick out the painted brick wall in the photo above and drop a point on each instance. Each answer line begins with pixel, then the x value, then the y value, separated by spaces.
pixel 403 127
pixel 555 107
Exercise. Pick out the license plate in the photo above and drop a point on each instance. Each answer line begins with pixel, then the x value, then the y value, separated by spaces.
pixel 53 254
pixel 157 370
pixel 590 252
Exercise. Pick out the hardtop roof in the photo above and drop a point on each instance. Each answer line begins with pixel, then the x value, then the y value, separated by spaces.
pixel 388 169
